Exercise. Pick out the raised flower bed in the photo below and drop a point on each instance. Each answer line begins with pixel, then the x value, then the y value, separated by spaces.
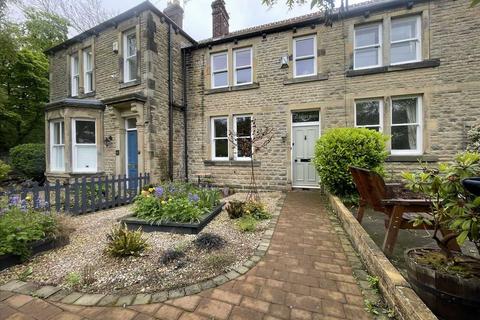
pixel 176 208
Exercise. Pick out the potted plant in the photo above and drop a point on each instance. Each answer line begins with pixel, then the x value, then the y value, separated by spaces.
pixel 448 281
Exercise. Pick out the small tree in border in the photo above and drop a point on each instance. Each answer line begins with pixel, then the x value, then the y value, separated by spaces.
pixel 249 147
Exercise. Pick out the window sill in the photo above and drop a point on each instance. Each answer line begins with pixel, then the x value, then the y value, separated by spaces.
pixel 129 84
pixel 251 86
pixel 230 163
pixel 412 158
pixel 86 95
pixel 318 77
pixel 432 63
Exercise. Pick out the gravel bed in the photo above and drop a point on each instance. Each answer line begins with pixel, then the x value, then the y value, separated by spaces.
pixel 85 256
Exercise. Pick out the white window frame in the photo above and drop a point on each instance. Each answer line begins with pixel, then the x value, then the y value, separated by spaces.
pixel 74 75
pixel 314 56
pixel 378 45
pixel 213 138
pixel 212 56
pixel 417 39
pixel 127 77
pixel 237 137
pixel 88 73
pixel 75 144
pixel 380 114
pixel 53 145
pixel 236 69
pixel 418 123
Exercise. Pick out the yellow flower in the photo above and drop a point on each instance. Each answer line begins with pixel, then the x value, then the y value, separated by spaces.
pixel 151 189
pixel 163 202
pixel 28 198
pixel 144 193
pixel 170 199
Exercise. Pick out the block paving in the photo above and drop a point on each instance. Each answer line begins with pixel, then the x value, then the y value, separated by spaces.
pixel 306 273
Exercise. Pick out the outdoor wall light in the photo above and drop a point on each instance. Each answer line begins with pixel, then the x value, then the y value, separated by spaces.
pixel 284 61
pixel 108 141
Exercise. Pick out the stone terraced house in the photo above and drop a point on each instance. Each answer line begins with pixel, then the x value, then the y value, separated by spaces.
pixel 138 94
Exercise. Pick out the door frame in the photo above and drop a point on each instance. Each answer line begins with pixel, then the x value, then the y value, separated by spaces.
pixel 302 124
pixel 127 130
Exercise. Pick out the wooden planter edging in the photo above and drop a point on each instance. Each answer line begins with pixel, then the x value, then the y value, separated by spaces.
pixel 36 247
pixel 396 290
pixel 59 294
pixel 134 223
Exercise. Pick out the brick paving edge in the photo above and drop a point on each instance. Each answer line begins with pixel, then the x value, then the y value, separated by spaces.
pixel 51 293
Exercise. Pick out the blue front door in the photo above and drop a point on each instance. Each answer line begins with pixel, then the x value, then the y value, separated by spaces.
pixel 132 158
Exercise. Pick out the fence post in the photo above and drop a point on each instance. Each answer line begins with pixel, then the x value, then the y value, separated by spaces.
pixel 84 194
pixel 67 196
pixel 124 189
pixel 140 184
pixel 113 191
pixel 98 206
pixel 57 195
pixel 46 190
pixel 76 206
pixel 92 194
pixel 106 203
pixel 119 191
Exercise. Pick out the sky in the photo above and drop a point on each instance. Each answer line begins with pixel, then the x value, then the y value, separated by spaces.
pixel 197 20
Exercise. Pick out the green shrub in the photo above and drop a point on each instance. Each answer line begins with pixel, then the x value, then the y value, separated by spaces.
pixel 123 242
pixel 235 209
pixel 247 224
pixel 340 148
pixel 4 170
pixel 29 160
pixel 209 241
pixel 73 279
pixel 219 261
pixel 257 210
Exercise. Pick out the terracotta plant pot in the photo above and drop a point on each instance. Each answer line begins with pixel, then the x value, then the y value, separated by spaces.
pixel 449 296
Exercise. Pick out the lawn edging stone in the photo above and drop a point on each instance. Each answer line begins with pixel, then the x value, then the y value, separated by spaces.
pixel 394 287
pixel 77 298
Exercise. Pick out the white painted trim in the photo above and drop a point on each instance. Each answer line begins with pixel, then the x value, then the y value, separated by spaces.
pixel 74 75
pixel 419 124
pixel 52 139
pixel 74 144
pixel 235 68
pixel 127 77
pixel 378 46
pixel 212 139
pixel 85 71
pixel 418 39
pixel 314 56
pixel 380 113
pixel 212 78
pixel 235 152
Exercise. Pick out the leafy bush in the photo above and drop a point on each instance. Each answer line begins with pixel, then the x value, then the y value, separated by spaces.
pixel 219 261
pixel 247 224
pixel 257 210
pixel 175 203
pixel 73 279
pixel 473 138
pixel 209 241
pixel 4 170
pixel 235 209
pixel 19 227
pixel 340 148
pixel 172 255
pixel 29 160
pixel 123 242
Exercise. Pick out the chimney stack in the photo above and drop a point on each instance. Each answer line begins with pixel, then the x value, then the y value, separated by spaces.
pixel 219 18
pixel 175 12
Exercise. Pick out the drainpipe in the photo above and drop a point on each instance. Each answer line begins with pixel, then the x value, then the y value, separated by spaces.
pixel 185 104
pixel 170 103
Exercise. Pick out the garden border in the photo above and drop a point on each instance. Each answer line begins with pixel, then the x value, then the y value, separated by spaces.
pixel 58 294
pixel 396 290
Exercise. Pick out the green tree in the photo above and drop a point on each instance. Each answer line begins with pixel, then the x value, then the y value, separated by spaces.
pixel 326 6
pixel 475 2
pixel 43 30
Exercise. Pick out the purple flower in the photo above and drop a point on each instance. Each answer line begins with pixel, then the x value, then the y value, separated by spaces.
pixel 158 192
pixel 14 200
pixel 193 197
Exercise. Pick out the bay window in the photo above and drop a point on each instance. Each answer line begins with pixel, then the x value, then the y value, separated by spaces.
pixel 406 125
pixel 243 66
pixel 88 70
pixel 74 75
pixel 369 114
pixel 243 137
pixel 367 46
pixel 57 146
pixel 405 40
pixel 304 56
pixel 130 55
pixel 219 65
pixel 219 129
pixel 84 145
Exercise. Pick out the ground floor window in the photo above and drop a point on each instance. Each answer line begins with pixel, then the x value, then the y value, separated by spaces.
pixel 219 130
pixel 243 137
pixel 57 146
pixel 406 128
pixel 84 145
pixel 369 114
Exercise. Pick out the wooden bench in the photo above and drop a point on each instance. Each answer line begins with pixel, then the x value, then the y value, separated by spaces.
pixel 399 209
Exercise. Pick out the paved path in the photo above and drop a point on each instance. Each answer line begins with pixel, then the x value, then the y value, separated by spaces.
pixel 305 274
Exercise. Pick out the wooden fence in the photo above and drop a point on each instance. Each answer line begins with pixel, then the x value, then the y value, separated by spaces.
pixel 81 195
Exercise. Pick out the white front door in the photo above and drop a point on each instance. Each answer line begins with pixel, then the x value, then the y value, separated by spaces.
pixel 304 137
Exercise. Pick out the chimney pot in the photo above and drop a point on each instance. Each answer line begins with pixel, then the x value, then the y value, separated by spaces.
pixel 220 18
pixel 175 12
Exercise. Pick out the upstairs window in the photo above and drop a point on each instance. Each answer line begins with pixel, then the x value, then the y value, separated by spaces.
pixel 368 46
pixel 219 138
pixel 405 45
pixel 406 125
pixel 130 55
pixel 304 56
pixel 243 137
pixel 243 66
pixel 220 70
pixel 57 146
pixel 88 70
pixel 75 75
pixel 84 145
pixel 369 114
